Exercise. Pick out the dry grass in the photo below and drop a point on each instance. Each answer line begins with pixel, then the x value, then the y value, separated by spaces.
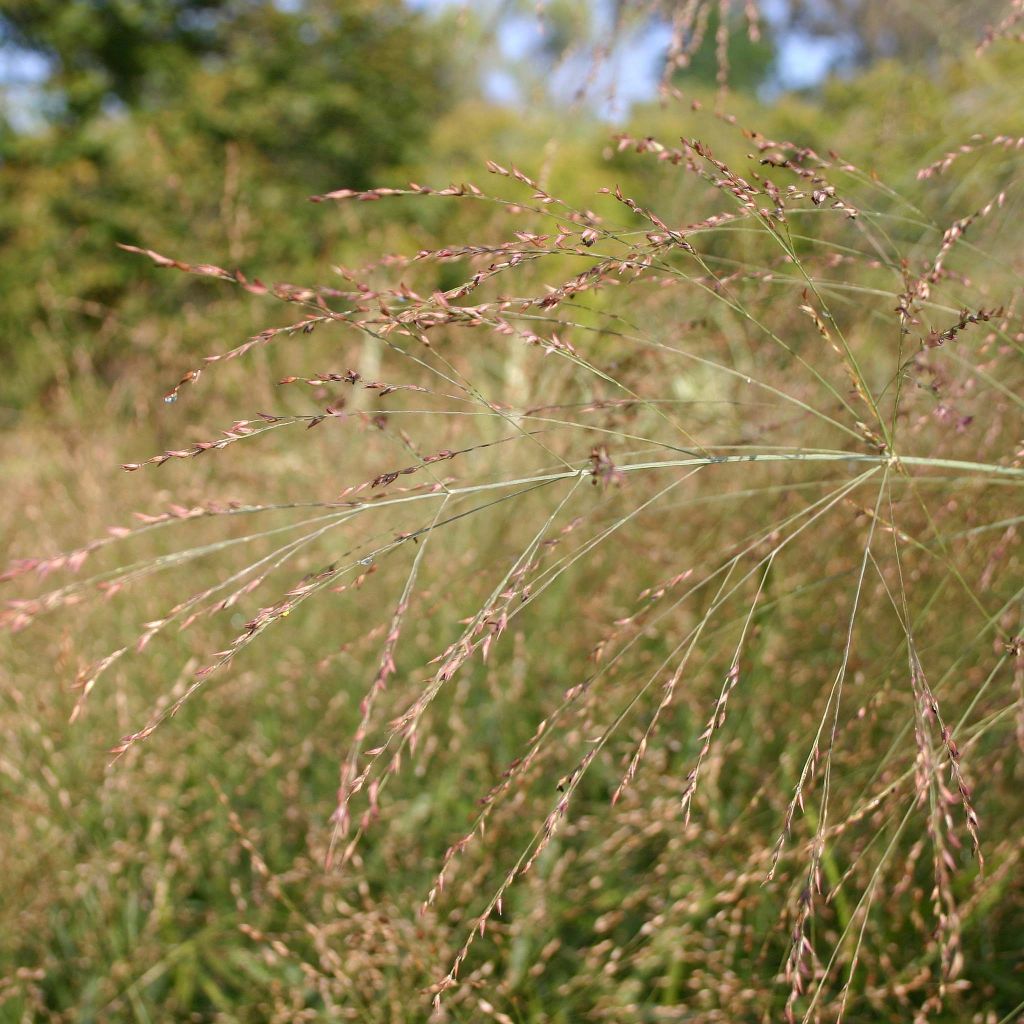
pixel 653 633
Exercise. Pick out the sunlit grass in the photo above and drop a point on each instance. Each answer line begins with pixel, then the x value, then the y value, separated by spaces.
pixel 631 632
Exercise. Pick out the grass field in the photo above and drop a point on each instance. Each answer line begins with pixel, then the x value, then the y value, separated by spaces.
pixel 629 633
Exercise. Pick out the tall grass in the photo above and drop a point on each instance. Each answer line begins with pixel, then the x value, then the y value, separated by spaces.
pixel 650 601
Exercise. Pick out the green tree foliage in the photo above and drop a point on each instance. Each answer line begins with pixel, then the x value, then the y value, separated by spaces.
pixel 332 91
pixel 122 49
pixel 179 121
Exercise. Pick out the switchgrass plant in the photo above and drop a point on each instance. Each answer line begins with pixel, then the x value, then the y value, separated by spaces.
pixel 630 631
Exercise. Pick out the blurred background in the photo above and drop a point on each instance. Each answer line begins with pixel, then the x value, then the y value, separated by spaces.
pixel 159 123
pixel 156 123
pixel 186 882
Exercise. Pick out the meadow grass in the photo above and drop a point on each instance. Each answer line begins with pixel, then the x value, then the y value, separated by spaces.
pixel 630 631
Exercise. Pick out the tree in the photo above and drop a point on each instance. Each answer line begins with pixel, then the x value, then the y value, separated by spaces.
pixel 144 101
pixel 333 86
pixel 101 50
